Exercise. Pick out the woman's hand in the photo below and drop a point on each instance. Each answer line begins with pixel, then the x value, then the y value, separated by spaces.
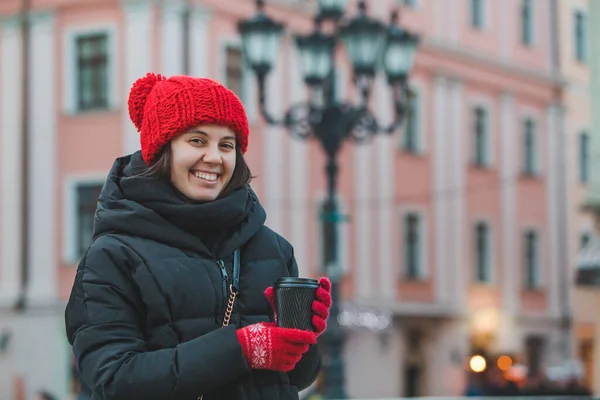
pixel 320 305
pixel 266 346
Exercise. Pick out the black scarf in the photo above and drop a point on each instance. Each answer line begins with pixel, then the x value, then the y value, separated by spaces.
pixel 227 220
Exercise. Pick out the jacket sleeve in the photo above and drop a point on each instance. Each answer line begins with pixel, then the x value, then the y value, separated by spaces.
pixel 104 319
pixel 307 369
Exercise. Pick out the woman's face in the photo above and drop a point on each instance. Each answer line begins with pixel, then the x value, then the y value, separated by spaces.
pixel 202 161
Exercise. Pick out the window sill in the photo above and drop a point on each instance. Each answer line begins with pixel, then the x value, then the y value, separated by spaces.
pixel 530 176
pixel 481 166
pixel 483 285
pixel 413 280
pixel 412 152
pixel 538 290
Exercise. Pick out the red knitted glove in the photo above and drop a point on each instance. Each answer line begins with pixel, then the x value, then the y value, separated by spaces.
pixel 320 306
pixel 270 295
pixel 266 346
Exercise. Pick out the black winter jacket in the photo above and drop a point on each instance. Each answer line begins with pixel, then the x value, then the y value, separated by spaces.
pixel 145 312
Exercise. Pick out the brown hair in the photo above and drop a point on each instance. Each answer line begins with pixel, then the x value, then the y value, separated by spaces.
pixel 241 177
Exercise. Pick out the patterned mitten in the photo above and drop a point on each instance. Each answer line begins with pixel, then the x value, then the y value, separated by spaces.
pixel 266 346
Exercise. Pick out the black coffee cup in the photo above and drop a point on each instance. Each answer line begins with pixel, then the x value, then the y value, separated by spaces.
pixel 293 301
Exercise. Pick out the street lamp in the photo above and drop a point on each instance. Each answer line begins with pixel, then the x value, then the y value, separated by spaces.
pixel 260 41
pixel 332 9
pixel 371 46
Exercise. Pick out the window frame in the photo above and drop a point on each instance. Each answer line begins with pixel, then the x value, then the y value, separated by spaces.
pixel 536 282
pixel 242 90
pixel 416 124
pixel 489 253
pixel 530 162
pixel 71 213
pixel 409 3
pixel 92 64
pixel 477 22
pixel 584 238
pixel 581 47
pixel 248 97
pixel 530 42
pixel 70 66
pixel 584 156
pixel 483 159
pixel 422 272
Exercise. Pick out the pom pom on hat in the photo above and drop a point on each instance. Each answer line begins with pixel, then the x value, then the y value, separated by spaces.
pixel 162 109
pixel 138 96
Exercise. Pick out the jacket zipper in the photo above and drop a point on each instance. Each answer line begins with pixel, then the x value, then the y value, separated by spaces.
pixel 224 280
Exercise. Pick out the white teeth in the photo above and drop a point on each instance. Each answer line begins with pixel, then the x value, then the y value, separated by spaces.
pixel 206 177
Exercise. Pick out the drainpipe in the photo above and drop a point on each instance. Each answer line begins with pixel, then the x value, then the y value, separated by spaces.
pixel 593 200
pixel 186 17
pixel 561 193
pixel 21 303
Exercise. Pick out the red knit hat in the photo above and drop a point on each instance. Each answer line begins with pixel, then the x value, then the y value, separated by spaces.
pixel 162 108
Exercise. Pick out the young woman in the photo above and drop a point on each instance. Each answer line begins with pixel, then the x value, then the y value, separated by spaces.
pixel 174 297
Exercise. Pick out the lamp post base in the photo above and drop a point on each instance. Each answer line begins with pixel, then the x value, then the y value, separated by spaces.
pixel 333 365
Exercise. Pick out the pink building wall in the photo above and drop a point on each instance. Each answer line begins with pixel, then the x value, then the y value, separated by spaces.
pixel 456 69
pixel 578 120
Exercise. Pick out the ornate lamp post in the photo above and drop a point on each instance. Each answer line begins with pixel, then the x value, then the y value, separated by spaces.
pixel 370 45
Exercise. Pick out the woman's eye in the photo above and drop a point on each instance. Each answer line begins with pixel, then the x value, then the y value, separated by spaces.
pixel 196 141
pixel 227 145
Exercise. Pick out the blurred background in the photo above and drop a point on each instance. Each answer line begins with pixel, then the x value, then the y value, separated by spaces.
pixel 439 159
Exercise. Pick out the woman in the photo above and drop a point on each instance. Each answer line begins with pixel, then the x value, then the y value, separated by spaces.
pixel 174 297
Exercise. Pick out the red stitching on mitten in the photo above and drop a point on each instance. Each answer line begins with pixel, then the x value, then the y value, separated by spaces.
pixel 266 346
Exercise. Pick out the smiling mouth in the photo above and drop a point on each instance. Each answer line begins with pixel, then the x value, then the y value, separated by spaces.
pixel 206 176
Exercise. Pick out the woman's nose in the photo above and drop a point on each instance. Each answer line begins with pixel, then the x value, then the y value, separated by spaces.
pixel 212 155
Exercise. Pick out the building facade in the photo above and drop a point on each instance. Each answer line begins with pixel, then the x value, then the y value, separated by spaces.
pixel 587 262
pixel 454 224
pixel 574 57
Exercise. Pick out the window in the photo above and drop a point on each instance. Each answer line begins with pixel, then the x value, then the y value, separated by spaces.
pixel 92 71
pixel 531 260
pixel 409 3
pixel 234 70
pixel 91 76
pixel 482 253
pixel 412 246
pixel 581 40
pixel 411 138
pixel 527 22
pixel 413 375
pixel 584 240
pixel 480 137
pixel 86 199
pixel 477 14
pixel 584 157
pixel 535 348
pixel 529 147
pixel 586 355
